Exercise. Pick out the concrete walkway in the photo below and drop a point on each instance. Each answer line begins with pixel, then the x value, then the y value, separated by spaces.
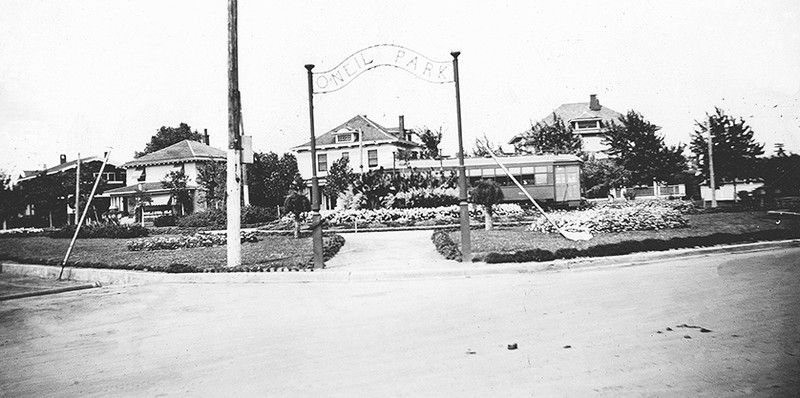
pixel 393 250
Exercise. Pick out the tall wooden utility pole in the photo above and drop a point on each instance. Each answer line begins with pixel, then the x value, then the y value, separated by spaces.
pixel 234 143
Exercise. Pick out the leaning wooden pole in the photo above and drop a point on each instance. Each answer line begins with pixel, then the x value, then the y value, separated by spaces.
pixel 83 217
pixel 234 205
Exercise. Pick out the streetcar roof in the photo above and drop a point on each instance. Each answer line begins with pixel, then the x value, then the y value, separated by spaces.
pixel 488 161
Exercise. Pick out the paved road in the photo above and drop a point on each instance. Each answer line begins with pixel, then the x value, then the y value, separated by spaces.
pixel 442 337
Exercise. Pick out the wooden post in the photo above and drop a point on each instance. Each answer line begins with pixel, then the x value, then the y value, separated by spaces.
pixel 713 183
pixel 466 246
pixel 234 244
pixel 77 189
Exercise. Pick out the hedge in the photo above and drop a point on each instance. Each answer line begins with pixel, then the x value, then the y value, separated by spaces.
pixel 111 231
pixel 634 246
pixel 445 245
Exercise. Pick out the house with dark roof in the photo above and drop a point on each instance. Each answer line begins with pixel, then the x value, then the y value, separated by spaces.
pixel 367 144
pixel 113 177
pixel 589 120
pixel 144 175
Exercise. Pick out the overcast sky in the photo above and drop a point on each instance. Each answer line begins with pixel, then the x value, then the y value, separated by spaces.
pixel 80 76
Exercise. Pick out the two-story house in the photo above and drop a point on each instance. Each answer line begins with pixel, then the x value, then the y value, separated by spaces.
pixel 589 120
pixel 367 145
pixel 113 177
pixel 145 175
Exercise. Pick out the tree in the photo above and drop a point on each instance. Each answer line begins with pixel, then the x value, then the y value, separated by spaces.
pixel 212 179
pixel 339 179
pixel 431 140
pixel 556 138
pixel 11 203
pixel 487 193
pixel 599 176
pixel 734 149
pixel 482 147
pixel 176 182
pixel 272 177
pixel 166 136
pixel 634 145
pixel 297 204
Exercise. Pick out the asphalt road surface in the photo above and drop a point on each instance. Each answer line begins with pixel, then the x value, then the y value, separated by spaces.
pixel 722 325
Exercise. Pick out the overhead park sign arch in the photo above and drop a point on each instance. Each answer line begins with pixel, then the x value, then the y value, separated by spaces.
pixel 349 69
pixel 382 55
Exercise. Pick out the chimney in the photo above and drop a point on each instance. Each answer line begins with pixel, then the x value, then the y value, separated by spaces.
pixel 401 129
pixel 205 137
pixel 63 159
pixel 594 104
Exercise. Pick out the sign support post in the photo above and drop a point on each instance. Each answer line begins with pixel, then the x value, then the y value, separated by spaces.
pixel 316 222
pixel 466 246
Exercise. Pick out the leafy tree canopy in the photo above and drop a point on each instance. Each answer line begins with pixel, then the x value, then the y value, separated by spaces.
pixel 339 179
pixel 557 138
pixel 599 176
pixel 483 146
pixel 166 136
pixel 734 149
pixel 271 177
pixel 431 140
pixel 634 145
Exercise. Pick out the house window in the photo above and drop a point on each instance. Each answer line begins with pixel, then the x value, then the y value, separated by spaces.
pixel 372 156
pixel 143 176
pixel 587 124
pixel 344 138
pixel 322 162
pixel 345 155
pixel 108 176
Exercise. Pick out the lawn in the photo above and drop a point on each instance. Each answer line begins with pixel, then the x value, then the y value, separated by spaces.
pixel 509 239
pixel 270 251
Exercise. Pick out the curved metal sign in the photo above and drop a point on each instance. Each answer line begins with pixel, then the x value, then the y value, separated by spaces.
pixel 382 55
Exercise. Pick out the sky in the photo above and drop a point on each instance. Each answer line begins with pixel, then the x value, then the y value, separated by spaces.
pixel 85 76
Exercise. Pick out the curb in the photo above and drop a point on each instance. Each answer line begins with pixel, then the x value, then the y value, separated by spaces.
pixel 49 291
pixel 112 276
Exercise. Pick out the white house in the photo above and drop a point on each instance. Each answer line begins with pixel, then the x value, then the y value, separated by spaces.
pixel 146 173
pixel 589 120
pixel 368 145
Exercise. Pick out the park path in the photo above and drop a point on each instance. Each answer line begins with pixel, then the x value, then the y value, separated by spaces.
pixel 389 251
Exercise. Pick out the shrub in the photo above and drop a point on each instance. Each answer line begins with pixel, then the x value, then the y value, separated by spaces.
pixel 445 245
pixel 257 215
pixel 213 218
pixel 164 221
pixel 330 247
pixel 425 197
pixel 111 231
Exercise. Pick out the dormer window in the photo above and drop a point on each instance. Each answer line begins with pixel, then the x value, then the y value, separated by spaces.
pixel 587 124
pixel 346 137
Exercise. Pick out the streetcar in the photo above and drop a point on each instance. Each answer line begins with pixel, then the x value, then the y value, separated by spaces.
pixel 553 180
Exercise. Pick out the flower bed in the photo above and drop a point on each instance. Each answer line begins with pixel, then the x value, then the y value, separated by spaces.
pixel 414 216
pixel 21 231
pixel 633 217
pixel 185 241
